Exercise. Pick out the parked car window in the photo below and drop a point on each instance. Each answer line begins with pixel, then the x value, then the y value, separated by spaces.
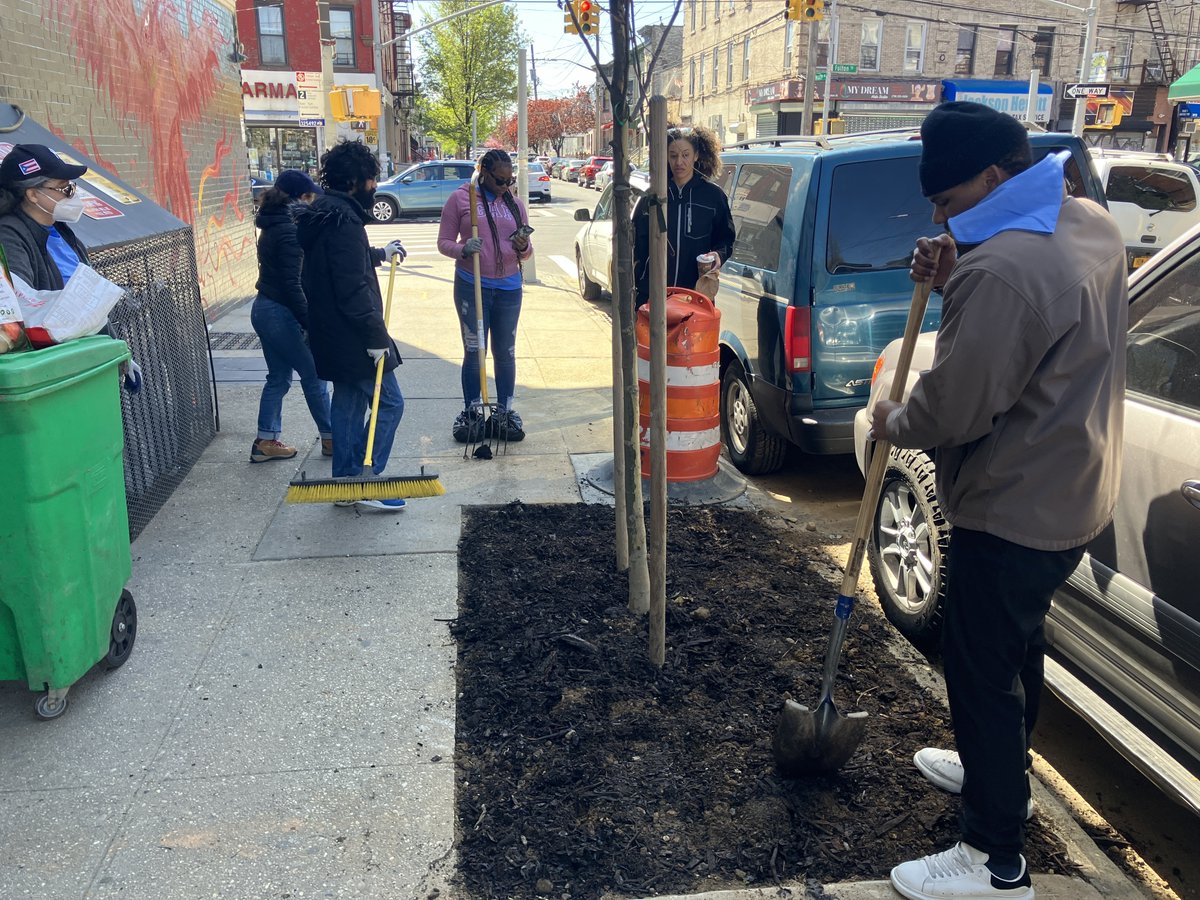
pixel 876 214
pixel 1163 349
pixel 604 207
pixel 758 204
pixel 423 173
pixel 725 180
pixel 1151 188
pixel 459 173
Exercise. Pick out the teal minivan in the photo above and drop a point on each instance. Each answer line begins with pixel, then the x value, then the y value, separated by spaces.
pixel 818 285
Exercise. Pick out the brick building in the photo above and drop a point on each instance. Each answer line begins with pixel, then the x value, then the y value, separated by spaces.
pixel 336 41
pixel 151 91
pixel 744 63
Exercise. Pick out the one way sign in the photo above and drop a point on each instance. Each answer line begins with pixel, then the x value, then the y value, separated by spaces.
pixel 1076 90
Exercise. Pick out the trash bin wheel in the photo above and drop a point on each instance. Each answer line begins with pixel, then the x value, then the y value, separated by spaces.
pixel 124 631
pixel 48 707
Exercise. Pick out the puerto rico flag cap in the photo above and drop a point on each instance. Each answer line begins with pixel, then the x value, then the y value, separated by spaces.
pixel 36 161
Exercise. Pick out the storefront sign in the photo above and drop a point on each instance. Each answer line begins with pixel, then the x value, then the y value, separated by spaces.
pixel 788 89
pixel 1009 97
pixel 268 96
pixel 310 102
pixel 878 91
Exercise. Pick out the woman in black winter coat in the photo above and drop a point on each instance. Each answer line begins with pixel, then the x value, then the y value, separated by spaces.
pixel 280 318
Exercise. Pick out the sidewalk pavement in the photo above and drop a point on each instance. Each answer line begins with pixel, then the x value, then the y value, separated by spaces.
pixel 285 725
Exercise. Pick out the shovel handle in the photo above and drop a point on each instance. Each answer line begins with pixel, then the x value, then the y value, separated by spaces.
pixel 880 453
pixel 368 457
pixel 480 349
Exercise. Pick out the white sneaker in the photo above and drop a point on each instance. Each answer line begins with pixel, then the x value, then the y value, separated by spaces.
pixel 343 503
pixel 943 769
pixel 960 873
pixel 381 505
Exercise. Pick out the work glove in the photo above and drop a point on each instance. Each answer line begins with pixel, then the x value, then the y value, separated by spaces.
pixel 395 248
pixel 377 355
pixel 473 245
pixel 133 376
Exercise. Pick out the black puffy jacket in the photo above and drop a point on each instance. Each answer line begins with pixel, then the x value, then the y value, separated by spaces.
pixel 698 221
pixel 280 259
pixel 345 305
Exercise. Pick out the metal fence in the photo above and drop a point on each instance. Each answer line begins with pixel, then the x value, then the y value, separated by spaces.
pixel 170 422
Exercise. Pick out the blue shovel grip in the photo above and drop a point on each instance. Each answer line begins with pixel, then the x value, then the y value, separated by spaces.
pixel 845 605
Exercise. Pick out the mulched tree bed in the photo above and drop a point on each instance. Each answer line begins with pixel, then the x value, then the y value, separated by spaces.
pixel 583 771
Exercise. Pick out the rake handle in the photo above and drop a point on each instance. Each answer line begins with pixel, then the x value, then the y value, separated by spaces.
pixel 387 315
pixel 479 346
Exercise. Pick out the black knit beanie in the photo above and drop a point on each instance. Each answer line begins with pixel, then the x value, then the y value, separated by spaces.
pixel 960 140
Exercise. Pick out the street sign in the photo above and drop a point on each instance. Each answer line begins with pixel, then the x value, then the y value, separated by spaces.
pixel 310 103
pixel 845 68
pixel 820 75
pixel 1078 89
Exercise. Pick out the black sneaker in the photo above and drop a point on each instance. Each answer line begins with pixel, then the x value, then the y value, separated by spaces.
pixel 468 426
pixel 507 425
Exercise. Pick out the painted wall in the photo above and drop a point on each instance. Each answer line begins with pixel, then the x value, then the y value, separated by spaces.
pixel 148 89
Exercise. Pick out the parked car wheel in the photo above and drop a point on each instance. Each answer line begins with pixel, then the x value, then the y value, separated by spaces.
pixel 588 289
pixel 753 449
pixel 908 547
pixel 384 210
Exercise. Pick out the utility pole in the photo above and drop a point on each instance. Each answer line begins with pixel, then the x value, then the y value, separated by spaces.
pixel 533 66
pixel 530 265
pixel 328 45
pixel 810 79
pixel 827 106
pixel 384 116
pixel 1085 69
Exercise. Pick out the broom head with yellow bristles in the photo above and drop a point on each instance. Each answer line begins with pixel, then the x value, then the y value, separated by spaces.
pixel 331 490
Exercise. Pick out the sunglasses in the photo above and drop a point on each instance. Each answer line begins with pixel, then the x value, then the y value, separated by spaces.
pixel 504 182
pixel 67 191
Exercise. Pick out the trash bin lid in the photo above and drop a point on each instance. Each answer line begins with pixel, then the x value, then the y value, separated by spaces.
pixel 28 371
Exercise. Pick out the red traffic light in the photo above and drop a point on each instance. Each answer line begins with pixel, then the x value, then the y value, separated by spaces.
pixel 585 6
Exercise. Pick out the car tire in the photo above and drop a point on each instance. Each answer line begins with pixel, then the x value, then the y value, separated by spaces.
pixel 383 210
pixel 588 289
pixel 751 447
pixel 907 550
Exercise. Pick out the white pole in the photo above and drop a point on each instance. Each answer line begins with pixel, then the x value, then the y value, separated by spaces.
pixel 827 106
pixel 529 267
pixel 384 116
pixel 1085 69
pixel 1031 106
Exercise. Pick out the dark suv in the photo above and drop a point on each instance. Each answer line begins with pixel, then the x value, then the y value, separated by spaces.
pixel 818 283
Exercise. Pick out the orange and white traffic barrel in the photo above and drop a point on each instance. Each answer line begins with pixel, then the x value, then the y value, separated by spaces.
pixel 693 385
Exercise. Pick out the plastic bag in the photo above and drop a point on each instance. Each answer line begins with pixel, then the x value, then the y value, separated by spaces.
pixel 79 309
pixel 12 326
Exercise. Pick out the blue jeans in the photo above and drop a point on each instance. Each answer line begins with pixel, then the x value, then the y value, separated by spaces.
pixel 501 309
pixel 285 351
pixel 349 412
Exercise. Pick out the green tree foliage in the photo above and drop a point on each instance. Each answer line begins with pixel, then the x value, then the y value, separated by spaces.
pixel 469 66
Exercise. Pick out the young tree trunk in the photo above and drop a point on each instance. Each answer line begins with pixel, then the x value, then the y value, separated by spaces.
pixel 658 387
pixel 639 576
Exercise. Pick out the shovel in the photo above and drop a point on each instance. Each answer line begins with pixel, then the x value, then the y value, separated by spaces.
pixel 483 442
pixel 808 741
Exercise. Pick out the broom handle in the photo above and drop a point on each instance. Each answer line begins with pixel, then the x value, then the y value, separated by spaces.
pixel 387 315
pixel 480 348
pixel 882 449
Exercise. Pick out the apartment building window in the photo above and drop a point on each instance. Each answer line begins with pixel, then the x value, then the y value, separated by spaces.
pixel 789 38
pixel 732 6
pixel 868 45
pixel 914 47
pixel 729 64
pixel 1119 58
pixel 823 44
pixel 1006 44
pixel 703 13
pixel 341 29
pixel 716 10
pixel 716 67
pixel 702 58
pixel 694 4
pixel 272 48
pixel 964 57
pixel 1043 49
pixel 692 77
pixel 746 58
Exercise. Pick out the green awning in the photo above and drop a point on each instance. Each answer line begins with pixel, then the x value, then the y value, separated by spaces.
pixel 1186 89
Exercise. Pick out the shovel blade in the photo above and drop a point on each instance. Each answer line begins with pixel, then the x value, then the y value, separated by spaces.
pixel 815 742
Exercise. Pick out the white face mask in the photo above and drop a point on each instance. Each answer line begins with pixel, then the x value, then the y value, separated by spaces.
pixel 68 209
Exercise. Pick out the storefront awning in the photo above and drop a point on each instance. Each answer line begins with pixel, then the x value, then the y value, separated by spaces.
pixel 1186 89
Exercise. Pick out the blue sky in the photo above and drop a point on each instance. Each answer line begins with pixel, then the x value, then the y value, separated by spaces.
pixel 561 59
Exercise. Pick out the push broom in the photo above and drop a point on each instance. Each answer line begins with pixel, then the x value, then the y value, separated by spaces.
pixel 482 442
pixel 406 487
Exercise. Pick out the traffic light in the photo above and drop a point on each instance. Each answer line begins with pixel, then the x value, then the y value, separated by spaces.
pixel 812 10
pixel 792 9
pixel 569 24
pixel 589 16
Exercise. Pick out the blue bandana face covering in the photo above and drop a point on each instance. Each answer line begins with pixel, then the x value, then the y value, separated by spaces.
pixel 1030 201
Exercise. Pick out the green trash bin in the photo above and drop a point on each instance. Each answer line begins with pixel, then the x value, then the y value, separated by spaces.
pixel 64 530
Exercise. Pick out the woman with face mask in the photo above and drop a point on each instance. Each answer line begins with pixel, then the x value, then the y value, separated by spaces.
pixel 37 206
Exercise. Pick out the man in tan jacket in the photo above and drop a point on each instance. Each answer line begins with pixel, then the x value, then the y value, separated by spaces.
pixel 1023 409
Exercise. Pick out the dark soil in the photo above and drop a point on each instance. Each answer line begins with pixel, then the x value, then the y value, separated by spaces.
pixel 584 770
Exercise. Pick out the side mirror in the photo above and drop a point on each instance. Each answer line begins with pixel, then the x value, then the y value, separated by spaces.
pixel 407 179
pixel 583 215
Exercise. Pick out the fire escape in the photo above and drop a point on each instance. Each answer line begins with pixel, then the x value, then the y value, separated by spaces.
pixel 1169 71
pixel 395 19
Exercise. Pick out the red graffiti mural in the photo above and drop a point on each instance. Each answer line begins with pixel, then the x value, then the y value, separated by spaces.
pixel 155 64
pixel 219 249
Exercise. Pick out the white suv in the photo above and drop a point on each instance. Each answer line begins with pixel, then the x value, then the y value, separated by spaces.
pixel 1152 197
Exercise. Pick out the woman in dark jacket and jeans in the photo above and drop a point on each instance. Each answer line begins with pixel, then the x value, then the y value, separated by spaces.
pixel 280 318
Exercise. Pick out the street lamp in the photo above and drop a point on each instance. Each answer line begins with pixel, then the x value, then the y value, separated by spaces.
pixel 1085 64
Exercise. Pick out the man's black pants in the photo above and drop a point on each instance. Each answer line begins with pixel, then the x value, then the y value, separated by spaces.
pixel 997 597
